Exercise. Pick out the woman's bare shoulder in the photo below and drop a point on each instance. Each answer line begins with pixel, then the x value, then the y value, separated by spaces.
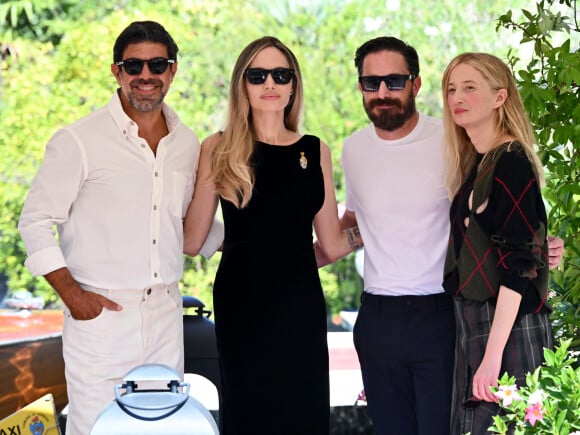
pixel 210 141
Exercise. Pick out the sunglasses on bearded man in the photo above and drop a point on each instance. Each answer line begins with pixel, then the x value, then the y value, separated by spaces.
pixel 394 82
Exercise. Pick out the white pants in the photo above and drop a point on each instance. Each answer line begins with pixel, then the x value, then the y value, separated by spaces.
pixel 99 352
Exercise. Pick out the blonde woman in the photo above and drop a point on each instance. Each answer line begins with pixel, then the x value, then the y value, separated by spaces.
pixel 497 262
pixel 273 184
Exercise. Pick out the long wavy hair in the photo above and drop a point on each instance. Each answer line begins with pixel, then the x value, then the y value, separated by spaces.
pixel 511 120
pixel 231 169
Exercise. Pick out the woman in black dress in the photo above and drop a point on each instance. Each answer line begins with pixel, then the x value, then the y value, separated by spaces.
pixel 273 185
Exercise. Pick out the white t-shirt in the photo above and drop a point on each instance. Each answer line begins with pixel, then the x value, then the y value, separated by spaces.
pixel 396 189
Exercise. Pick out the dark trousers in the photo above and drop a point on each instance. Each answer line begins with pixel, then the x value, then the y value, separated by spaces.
pixel 405 346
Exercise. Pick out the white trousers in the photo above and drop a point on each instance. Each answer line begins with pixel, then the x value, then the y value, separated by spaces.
pixel 99 352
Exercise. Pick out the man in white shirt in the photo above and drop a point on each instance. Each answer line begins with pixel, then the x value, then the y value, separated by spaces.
pixel 117 184
pixel 405 329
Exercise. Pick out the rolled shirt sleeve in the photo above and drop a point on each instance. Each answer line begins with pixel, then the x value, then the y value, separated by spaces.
pixel 214 239
pixel 49 201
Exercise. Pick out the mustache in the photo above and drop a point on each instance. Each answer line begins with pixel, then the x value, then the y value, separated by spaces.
pixel 380 101
pixel 151 81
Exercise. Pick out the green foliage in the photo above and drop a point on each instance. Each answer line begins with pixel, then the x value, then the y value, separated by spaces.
pixel 555 387
pixel 198 276
pixel 341 284
pixel 550 87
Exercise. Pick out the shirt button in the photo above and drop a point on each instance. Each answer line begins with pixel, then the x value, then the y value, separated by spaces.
pixel 142 145
pixel 155 274
pixel 154 207
pixel 157 174
pixel 154 241
pixel 148 291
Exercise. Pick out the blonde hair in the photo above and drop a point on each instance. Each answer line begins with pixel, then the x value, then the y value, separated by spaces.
pixel 231 170
pixel 511 120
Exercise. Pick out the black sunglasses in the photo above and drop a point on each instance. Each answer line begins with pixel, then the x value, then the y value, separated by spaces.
pixel 157 65
pixel 394 82
pixel 281 76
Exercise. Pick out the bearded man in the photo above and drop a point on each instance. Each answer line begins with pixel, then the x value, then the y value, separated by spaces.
pixel 405 329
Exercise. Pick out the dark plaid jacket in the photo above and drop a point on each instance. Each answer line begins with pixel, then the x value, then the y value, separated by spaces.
pixel 484 257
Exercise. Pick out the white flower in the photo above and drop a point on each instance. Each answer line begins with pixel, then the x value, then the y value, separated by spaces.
pixel 536 397
pixel 508 393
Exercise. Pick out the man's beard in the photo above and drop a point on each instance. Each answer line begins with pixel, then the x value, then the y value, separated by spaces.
pixel 151 103
pixel 393 118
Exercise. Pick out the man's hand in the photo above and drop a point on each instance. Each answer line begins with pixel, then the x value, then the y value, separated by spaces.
pixel 555 251
pixel 82 304
pixel 87 305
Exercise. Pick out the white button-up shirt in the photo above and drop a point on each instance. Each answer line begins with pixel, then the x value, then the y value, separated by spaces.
pixel 117 207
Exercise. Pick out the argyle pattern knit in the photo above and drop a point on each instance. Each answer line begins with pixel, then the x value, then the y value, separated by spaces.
pixel 498 232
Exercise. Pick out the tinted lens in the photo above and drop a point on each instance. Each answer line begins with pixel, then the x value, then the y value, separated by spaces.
pixel 156 65
pixel 133 66
pixel 281 76
pixel 370 83
pixel 256 76
pixel 394 82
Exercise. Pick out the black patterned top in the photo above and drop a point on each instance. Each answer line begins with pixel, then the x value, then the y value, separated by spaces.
pixel 498 236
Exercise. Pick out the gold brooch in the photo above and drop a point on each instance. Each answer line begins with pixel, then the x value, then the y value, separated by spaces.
pixel 303 161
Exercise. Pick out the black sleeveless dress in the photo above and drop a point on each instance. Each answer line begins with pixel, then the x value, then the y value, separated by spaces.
pixel 269 307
